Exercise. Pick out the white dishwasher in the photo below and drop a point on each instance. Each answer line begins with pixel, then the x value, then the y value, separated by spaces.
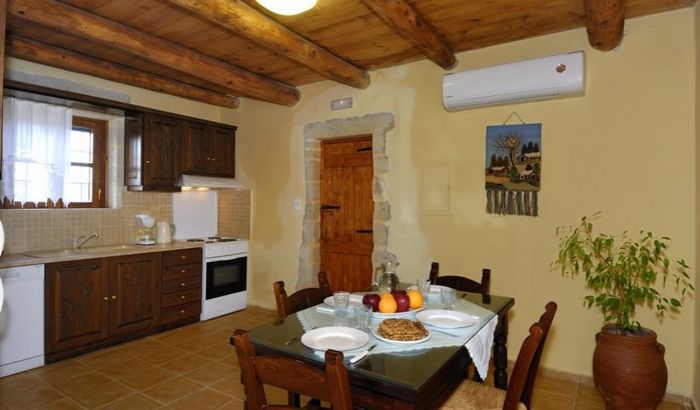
pixel 22 319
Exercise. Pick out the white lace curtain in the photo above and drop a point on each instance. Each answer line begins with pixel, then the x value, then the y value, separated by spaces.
pixel 35 150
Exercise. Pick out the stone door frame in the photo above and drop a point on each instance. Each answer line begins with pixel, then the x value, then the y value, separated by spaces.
pixel 377 125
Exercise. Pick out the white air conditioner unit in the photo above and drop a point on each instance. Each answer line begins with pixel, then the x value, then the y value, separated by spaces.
pixel 538 79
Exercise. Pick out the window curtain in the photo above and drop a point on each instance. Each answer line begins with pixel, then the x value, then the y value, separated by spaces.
pixel 35 150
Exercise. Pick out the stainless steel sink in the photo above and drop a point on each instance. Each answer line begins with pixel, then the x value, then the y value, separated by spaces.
pixel 67 253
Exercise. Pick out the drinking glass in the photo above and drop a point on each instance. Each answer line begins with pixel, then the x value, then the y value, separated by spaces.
pixel 363 317
pixel 423 286
pixel 449 297
pixel 341 300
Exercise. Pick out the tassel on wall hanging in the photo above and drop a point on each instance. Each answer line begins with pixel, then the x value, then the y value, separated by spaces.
pixel 513 168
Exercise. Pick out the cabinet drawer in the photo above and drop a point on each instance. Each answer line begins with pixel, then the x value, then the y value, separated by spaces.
pixel 181 312
pixel 179 298
pixel 177 285
pixel 182 257
pixel 182 271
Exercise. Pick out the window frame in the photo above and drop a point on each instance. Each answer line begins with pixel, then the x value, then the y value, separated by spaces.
pixel 99 161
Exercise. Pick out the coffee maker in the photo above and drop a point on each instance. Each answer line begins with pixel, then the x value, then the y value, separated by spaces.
pixel 144 230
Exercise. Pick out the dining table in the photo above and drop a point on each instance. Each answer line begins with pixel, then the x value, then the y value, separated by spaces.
pixel 415 378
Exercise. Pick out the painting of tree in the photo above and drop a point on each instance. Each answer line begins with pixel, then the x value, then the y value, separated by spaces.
pixel 513 168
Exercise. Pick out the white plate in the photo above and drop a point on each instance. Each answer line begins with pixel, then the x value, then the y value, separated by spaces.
pixel 448 319
pixel 354 300
pixel 399 342
pixel 335 337
pixel 407 313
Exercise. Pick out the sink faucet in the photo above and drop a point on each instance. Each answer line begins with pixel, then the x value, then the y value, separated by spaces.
pixel 83 239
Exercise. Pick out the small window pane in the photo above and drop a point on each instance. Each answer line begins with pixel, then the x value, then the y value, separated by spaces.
pixel 80 145
pixel 78 186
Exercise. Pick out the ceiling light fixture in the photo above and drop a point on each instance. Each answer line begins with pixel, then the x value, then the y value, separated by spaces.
pixel 287 7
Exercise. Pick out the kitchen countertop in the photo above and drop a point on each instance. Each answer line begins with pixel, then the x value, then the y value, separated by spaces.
pixel 12 260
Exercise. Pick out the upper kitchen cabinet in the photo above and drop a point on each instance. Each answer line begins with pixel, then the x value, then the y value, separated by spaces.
pixel 152 152
pixel 209 150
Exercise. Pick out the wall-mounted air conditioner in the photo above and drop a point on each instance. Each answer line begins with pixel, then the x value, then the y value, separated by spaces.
pixel 538 79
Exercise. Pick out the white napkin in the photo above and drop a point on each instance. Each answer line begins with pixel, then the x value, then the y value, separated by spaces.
pixel 323 308
pixel 479 347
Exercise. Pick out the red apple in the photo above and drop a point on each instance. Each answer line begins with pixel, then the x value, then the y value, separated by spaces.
pixel 402 302
pixel 371 299
pixel 397 291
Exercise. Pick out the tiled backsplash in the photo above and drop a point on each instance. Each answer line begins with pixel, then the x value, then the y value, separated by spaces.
pixel 34 229
pixel 234 213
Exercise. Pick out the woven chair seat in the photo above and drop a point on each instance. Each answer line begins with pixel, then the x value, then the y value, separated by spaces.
pixel 476 396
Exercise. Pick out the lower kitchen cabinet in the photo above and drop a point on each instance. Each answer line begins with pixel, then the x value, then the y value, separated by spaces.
pixel 98 302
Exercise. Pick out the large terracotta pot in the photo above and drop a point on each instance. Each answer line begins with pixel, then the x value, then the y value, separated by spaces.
pixel 629 370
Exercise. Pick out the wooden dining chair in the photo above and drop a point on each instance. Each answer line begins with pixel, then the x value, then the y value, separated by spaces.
pixel 477 396
pixel 299 300
pixel 324 284
pixel 330 385
pixel 460 282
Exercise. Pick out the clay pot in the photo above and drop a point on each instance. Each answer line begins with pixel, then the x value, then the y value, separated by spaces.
pixel 629 370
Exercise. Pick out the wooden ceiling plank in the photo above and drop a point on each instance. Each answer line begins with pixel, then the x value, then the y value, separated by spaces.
pixel 605 22
pixel 69 19
pixel 37 52
pixel 243 20
pixel 404 19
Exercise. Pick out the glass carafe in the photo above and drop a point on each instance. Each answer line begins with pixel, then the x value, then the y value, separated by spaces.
pixel 386 279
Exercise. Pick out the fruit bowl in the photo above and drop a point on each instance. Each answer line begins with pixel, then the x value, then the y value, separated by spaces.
pixel 409 312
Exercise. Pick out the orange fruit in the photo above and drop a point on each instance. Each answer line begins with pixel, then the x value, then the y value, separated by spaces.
pixel 387 304
pixel 416 298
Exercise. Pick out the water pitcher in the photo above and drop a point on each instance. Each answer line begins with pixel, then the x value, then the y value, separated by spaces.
pixel 386 279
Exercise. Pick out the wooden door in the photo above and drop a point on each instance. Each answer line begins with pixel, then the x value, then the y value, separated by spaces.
pixel 161 161
pixel 195 148
pixel 134 283
pixel 76 304
pixel 346 213
pixel 223 161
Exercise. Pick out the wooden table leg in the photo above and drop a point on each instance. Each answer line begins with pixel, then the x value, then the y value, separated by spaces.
pixel 500 355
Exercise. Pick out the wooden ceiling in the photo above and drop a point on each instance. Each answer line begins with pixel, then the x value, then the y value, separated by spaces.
pixel 218 50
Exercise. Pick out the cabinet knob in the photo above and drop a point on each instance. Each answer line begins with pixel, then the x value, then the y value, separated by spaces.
pixel 182 297
pixel 148 161
pixel 183 271
pixel 183 257
pixel 183 284
pixel 106 298
pixel 182 311
pixel 114 297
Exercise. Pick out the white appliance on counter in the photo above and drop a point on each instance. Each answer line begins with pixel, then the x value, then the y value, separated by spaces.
pixel 22 319
pixel 225 260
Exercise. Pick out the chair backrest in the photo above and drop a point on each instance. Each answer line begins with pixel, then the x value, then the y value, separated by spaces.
pixel 522 380
pixel 324 284
pixel 461 283
pixel 331 385
pixel 300 300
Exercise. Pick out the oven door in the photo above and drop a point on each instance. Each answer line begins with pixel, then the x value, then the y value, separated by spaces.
pixel 225 276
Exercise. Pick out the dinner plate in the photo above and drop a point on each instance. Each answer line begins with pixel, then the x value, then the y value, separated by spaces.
pixel 376 334
pixel 448 319
pixel 335 337
pixel 354 300
pixel 410 312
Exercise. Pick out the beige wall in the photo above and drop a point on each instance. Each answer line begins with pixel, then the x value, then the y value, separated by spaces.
pixel 696 389
pixel 626 148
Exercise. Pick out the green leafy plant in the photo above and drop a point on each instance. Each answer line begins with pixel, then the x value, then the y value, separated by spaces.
pixel 621 272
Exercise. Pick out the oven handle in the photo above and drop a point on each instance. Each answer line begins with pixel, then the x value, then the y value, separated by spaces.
pixel 225 258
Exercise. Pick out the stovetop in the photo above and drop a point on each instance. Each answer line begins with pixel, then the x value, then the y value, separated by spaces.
pixel 218 246
pixel 212 239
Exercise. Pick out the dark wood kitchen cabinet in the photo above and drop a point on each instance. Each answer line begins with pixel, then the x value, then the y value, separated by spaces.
pixel 182 286
pixel 209 150
pixel 152 152
pixel 94 303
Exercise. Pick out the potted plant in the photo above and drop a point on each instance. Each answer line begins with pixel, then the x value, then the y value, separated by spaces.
pixel 623 273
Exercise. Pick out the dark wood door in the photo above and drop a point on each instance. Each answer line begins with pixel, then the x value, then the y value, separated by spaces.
pixel 134 283
pixel 223 152
pixel 346 212
pixel 77 305
pixel 161 148
pixel 195 148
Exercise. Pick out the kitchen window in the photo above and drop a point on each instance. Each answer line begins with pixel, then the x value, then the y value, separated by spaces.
pixel 51 158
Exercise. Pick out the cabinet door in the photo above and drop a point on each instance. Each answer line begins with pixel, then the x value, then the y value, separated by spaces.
pixel 195 148
pixel 161 148
pixel 134 283
pixel 223 159
pixel 76 304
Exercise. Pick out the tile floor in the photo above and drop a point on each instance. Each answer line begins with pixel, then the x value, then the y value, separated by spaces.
pixel 192 368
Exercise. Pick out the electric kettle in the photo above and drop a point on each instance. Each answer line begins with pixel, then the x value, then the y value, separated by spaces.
pixel 164 232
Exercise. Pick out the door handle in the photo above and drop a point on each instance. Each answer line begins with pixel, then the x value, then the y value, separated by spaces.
pixel 330 207
pixel 364 149
pixel 364 231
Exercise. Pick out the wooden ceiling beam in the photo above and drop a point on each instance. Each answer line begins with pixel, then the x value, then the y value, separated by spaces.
pixel 68 19
pixel 41 53
pixel 605 23
pixel 245 21
pixel 403 18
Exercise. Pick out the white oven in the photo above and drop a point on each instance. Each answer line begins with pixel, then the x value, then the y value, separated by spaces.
pixel 224 278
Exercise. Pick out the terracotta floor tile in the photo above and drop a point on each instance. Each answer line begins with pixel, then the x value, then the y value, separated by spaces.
pixel 135 401
pixel 27 398
pixel 589 393
pixel 211 373
pixel 126 368
pixel 60 404
pixel 62 370
pixel 559 386
pixel 82 384
pixel 546 400
pixel 275 395
pixel 99 360
pixel 670 406
pixel 172 390
pixel 219 352
pixel 163 355
pixel 19 382
pixel 231 385
pixel 195 343
pixel 105 394
pixel 141 348
pixel 588 405
pixel 204 399
pixel 233 405
pixel 186 364
pixel 148 378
